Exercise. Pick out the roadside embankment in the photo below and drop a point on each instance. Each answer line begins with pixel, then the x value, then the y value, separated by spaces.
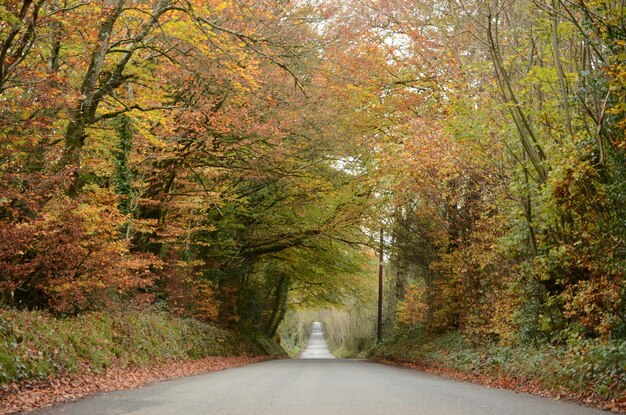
pixel 44 360
pixel 591 372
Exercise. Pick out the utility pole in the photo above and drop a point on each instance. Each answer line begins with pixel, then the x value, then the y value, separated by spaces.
pixel 379 332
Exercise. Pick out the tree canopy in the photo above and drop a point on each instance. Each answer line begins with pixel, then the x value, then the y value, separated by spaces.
pixel 229 160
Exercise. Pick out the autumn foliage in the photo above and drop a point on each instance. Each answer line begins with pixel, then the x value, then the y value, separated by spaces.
pixel 230 161
pixel 171 153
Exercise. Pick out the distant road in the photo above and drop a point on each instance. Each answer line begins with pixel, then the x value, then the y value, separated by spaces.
pixel 320 386
pixel 317 347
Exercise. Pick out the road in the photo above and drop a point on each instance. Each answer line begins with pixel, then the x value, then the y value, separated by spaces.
pixel 316 347
pixel 319 386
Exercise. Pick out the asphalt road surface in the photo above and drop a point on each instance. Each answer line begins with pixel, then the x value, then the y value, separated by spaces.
pixel 320 386
pixel 316 347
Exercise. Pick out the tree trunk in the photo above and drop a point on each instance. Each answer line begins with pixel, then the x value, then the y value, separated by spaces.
pixel 559 68
pixel 279 304
pixel 96 86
